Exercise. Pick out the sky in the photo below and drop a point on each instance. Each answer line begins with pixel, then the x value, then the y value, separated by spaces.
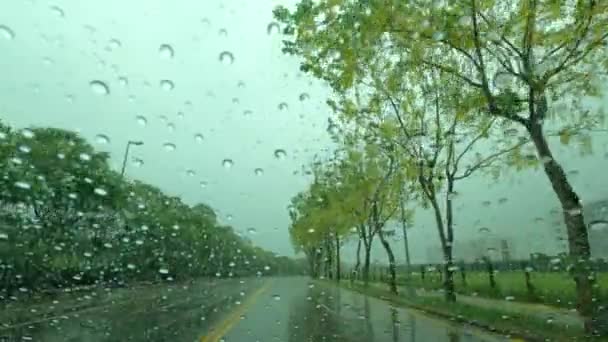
pixel 215 68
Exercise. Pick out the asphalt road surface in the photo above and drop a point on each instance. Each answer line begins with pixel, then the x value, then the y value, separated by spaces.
pixel 254 309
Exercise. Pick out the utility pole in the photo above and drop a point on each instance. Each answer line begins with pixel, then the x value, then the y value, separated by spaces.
pixel 124 161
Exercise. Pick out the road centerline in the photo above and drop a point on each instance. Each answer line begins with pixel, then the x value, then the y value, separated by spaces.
pixel 224 326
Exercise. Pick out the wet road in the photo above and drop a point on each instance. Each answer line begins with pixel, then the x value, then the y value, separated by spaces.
pixel 264 309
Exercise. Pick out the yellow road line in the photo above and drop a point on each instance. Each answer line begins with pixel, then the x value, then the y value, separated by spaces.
pixel 229 322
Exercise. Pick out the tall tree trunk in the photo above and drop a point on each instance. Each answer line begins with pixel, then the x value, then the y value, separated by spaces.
pixel 406 245
pixel 448 279
pixel 391 262
pixel 366 263
pixel 358 262
pixel 337 256
pixel 446 248
pixel 578 239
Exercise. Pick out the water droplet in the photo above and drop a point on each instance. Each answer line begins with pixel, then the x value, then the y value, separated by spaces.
pixel 227 57
pixel 304 96
pixel 283 106
pixel 137 162
pixel 171 126
pixel 6 33
pixel 99 87
pixel 223 32
pixel 131 266
pixel 28 133
pixel 57 11
pixel 163 271
pixel 484 230
pixel 23 185
pixel 84 157
pixel 510 298
pixel 25 149
pixel 276 297
pixel 199 138
pixel 191 172
pixel 438 35
pixel 311 230
pixel 227 163
pixel 141 120
pixel 17 160
pixel 273 28
pixel 259 171
pixel 123 81
pixel 203 184
pixel 102 139
pixel 3 236
pixel 100 191
pixel 252 230
pixel 114 44
pixel 266 268
pixel 229 217
pixel 598 226
pixel 169 146
pixel 280 154
pixel 167 85
pixel 502 200
pixel 166 51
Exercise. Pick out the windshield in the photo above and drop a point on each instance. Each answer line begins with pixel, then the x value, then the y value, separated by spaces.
pixel 303 170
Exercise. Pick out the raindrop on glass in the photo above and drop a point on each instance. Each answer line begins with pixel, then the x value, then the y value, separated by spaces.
pixel 166 51
pixel 251 230
pixel 259 171
pixel 226 57
pixel 283 106
pixel 199 138
pixel 99 87
pixel 276 297
pixel 169 146
pixel 280 154
pixel 84 157
pixel 123 81
pixel 304 96
pixel 190 172
pixel 23 185
pixel 137 162
pixel 57 11
pixel 100 191
pixel 273 28
pixel 599 226
pixel 25 149
pixel 141 120
pixel 28 133
pixel 227 163
pixel 6 33
pixel 203 184
pixel 163 271
pixel 167 85
pixel 102 139
pixel 114 44
pixel 171 126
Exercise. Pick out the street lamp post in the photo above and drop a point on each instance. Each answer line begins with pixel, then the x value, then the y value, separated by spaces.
pixel 124 162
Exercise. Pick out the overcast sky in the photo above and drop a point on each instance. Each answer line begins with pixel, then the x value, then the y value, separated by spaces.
pixel 50 53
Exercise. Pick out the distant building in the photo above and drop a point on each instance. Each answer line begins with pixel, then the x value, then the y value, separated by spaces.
pixel 495 248
pixel 596 219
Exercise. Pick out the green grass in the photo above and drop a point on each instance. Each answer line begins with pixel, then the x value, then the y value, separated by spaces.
pixel 555 288
pixel 515 325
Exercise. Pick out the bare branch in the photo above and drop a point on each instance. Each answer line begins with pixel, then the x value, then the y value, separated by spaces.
pixel 489 159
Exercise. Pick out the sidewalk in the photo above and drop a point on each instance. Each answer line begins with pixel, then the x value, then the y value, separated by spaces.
pixel 548 313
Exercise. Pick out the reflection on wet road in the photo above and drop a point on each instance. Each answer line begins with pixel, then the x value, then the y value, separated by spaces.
pixel 267 309
pixel 297 310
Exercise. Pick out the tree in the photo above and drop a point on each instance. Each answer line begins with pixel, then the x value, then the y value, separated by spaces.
pixel 524 62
